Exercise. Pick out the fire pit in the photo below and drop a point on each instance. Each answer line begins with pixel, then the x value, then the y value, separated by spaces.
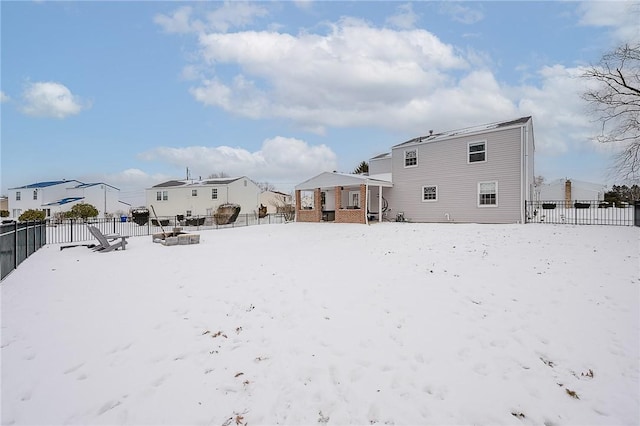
pixel 175 238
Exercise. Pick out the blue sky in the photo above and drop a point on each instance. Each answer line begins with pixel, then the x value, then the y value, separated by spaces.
pixel 133 93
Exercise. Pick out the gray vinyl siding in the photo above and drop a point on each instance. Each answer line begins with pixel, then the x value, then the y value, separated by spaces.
pixel 379 166
pixel 445 164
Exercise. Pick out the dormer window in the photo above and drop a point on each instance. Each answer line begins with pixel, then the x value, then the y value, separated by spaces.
pixel 411 158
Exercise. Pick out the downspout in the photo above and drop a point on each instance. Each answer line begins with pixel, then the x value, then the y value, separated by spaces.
pixel 522 171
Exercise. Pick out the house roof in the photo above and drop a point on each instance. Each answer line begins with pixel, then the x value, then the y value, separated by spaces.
pixel 332 179
pixel 45 184
pixel 577 184
pixel 381 156
pixel 64 201
pixel 484 128
pixel 88 185
pixel 176 183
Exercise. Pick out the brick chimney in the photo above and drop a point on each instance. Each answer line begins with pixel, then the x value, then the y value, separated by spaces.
pixel 567 194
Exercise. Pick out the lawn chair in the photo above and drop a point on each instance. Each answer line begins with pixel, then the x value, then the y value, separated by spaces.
pixel 103 241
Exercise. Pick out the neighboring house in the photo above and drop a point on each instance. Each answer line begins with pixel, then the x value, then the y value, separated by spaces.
pixel 570 190
pixel 481 174
pixel 275 201
pixel 202 197
pixel 61 195
pixel 4 203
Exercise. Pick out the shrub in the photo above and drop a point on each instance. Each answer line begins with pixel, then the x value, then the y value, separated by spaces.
pixel 4 213
pixel 82 210
pixel 32 214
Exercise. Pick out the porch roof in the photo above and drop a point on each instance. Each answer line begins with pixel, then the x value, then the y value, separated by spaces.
pixel 332 179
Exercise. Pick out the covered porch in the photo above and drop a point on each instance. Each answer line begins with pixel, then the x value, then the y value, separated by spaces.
pixel 340 198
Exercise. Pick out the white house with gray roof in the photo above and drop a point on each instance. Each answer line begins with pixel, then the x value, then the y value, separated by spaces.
pixel 481 174
pixel 61 195
pixel 202 197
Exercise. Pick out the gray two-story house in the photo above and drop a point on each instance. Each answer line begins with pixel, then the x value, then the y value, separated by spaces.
pixel 481 174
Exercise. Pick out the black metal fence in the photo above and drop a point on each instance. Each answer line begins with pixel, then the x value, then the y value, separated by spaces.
pixel 19 240
pixel 582 212
pixel 75 230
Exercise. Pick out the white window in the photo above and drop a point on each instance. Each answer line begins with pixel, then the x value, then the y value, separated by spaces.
pixel 194 192
pixel 487 194
pixel 35 194
pixel 430 193
pixel 188 213
pixel 18 196
pixel 323 198
pixel 214 193
pixel 159 196
pixel 477 152
pixel 411 158
pixel 165 195
pixel 354 199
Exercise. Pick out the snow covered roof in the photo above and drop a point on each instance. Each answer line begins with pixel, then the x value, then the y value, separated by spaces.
pixel 433 137
pixel 577 183
pixel 190 182
pixel 332 179
pixel 88 185
pixel 46 184
pixel 64 201
pixel 381 156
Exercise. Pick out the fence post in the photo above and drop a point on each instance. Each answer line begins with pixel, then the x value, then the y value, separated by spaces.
pixel 114 225
pixel 15 245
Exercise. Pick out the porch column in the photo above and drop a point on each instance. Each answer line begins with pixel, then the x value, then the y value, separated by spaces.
pixel 380 204
pixel 366 204
pixel 317 204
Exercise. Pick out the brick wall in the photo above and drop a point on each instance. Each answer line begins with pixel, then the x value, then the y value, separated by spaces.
pixel 351 215
pixel 313 215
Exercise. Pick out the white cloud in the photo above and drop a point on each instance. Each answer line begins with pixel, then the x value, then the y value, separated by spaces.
pixel 621 16
pixel 408 81
pixel 340 78
pixel 50 99
pixel 234 15
pixel 405 18
pixel 279 160
pixel 4 98
pixel 229 15
pixel 459 13
pixel 564 122
pixel 179 21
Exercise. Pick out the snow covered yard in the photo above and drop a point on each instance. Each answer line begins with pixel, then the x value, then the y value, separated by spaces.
pixel 330 324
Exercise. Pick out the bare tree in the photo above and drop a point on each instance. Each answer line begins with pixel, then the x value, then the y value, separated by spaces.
pixel 615 100
pixel 284 205
pixel 266 186
pixel 218 175
pixel 538 181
